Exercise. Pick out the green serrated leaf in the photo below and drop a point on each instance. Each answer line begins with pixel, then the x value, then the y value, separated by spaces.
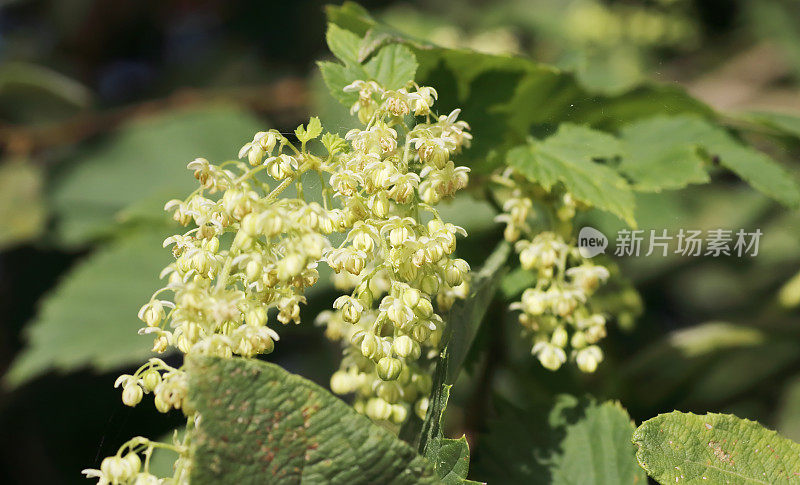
pixel 310 131
pixel 576 441
pixel 714 448
pixel 568 157
pixel 89 320
pixel 595 448
pixel 343 44
pixel 144 157
pixel 787 124
pixel 393 66
pixel 287 430
pixel 760 171
pixel 663 152
pixel 452 460
pixel 490 89
pixel 336 77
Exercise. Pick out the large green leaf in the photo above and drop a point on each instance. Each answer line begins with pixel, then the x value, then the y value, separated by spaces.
pixel 664 152
pixel 143 159
pixel 568 157
pixel 670 152
pixel 393 66
pixel 261 424
pixel 89 320
pixel 577 441
pixel 503 97
pixel 714 448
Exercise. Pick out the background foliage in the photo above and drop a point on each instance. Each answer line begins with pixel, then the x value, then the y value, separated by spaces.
pixel 103 103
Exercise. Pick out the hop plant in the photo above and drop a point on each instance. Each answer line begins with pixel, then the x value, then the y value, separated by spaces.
pixel 251 251
pixel 398 253
pixel 557 311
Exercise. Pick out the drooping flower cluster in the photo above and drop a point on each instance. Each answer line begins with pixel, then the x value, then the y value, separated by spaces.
pixel 399 252
pixel 557 311
pixel 251 253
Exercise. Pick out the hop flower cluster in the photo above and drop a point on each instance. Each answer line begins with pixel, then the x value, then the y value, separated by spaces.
pixel 557 311
pixel 398 255
pixel 251 252
pixel 126 467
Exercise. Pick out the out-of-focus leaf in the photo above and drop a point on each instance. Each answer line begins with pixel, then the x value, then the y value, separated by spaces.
pixel 714 448
pixel 777 21
pixel 786 123
pixel 662 153
pixel 577 441
pixel 89 320
pixel 21 74
pixel 568 157
pixel 758 170
pixel 706 365
pixel 789 295
pixel 287 430
pixel 143 158
pixel 712 336
pixel 22 208
pixel 787 419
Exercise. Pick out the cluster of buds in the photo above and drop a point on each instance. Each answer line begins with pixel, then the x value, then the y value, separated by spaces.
pixel 557 311
pixel 398 251
pixel 167 384
pixel 219 297
pixel 126 467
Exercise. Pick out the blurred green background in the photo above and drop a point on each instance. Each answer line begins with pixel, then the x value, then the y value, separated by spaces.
pixel 103 102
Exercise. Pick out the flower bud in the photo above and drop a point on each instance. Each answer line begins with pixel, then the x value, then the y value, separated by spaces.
pixel 389 368
pixel 134 463
pixel 588 358
pixel 399 414
pixel 405 346
pixel 424 308
pixel 256 317
pixel 389 391
pixel 151 378
pixel 379 204
pixel 421 332
pixel 578 340
pixel 152 313
pixel 411 296
pixel 132 394
pixel 429 284
pixel 341 383
pixel 161 405
pixel 378 409
pixel 560 337
pixel 369 346
pixel 421 407
pixel 549 355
